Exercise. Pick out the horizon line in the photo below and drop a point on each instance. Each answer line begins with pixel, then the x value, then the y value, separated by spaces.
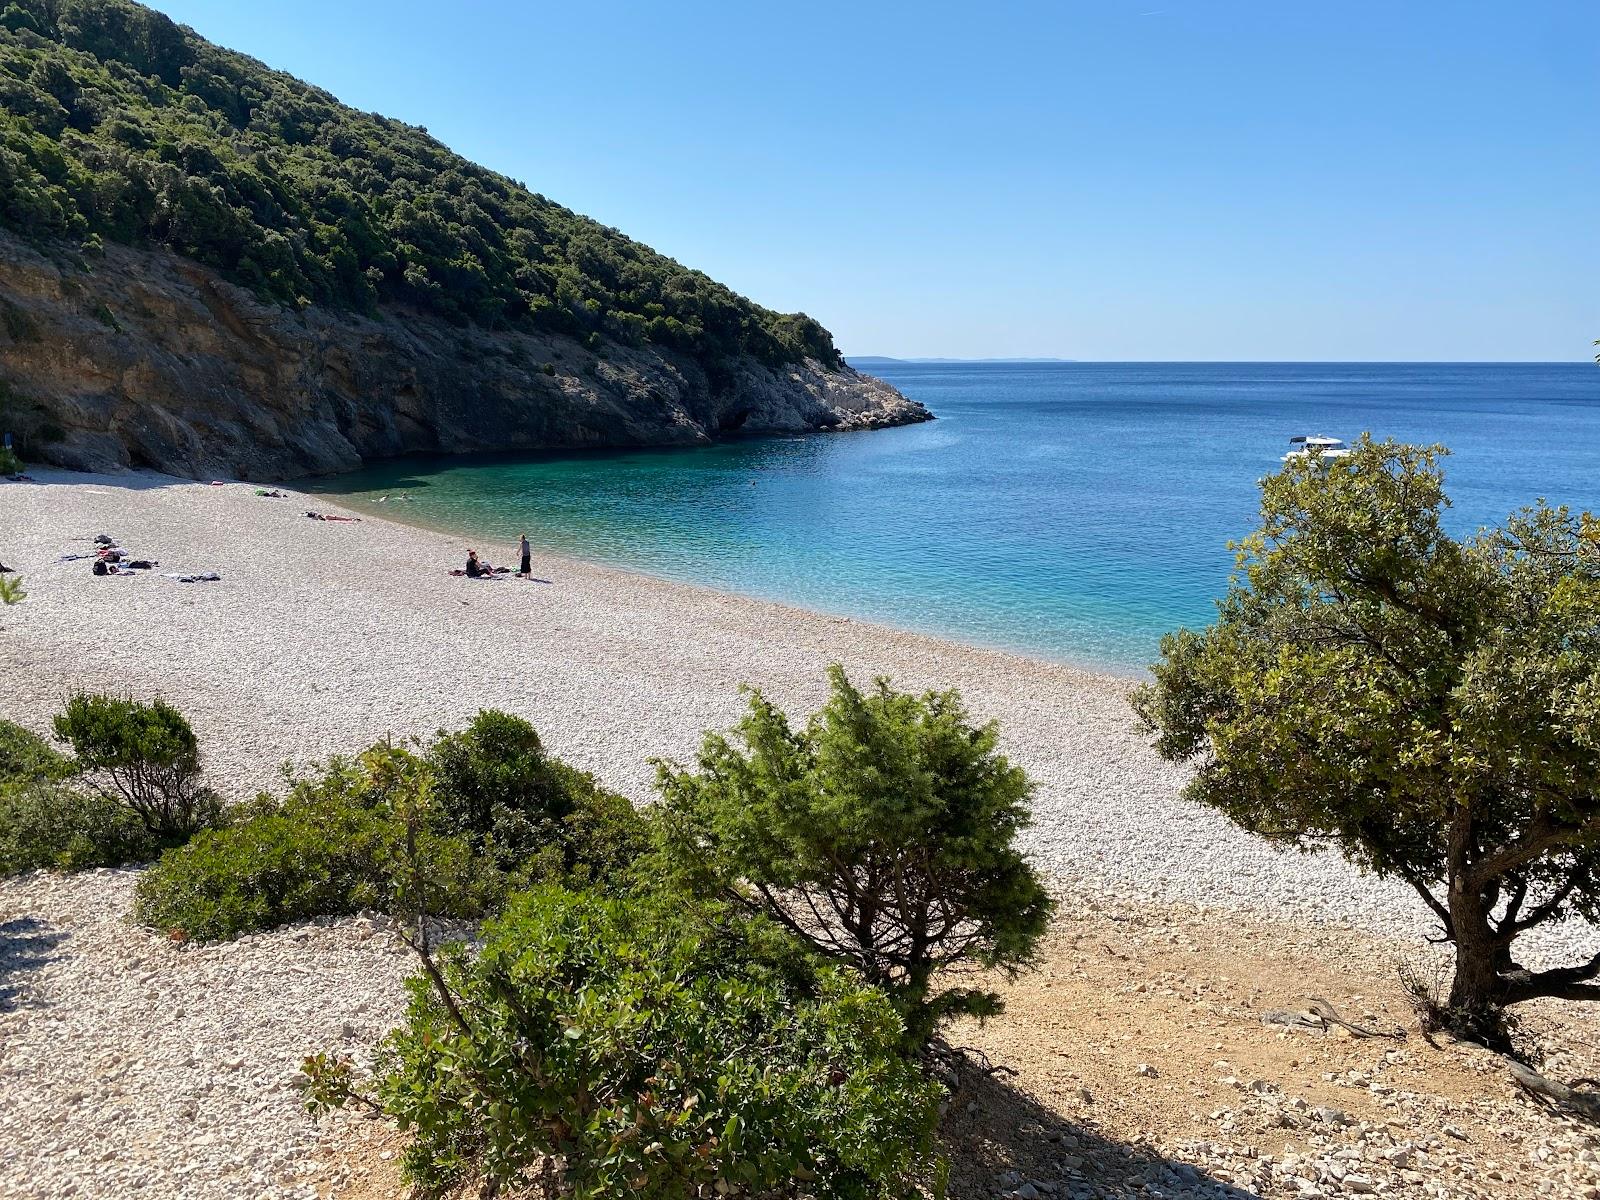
pixel 1318 362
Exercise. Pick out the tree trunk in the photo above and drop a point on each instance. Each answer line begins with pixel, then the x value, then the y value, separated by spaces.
pixel 1477 990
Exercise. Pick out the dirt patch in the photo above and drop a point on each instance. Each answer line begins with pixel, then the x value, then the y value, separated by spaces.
pixel 1135 1062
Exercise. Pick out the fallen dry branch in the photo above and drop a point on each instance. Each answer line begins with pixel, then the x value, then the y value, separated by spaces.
pixel 1552 1094
pixel 1328 1013
pixel 1321 1016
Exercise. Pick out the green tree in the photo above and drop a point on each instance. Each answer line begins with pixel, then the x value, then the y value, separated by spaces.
pixel 144 756
pixel 11 590
pixel 882 833
pixel 1429 706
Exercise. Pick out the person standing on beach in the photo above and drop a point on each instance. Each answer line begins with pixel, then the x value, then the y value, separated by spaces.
pixel 526 570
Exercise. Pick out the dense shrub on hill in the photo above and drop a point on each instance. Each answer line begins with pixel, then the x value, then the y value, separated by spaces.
pixel 117 124
pixel 24 755
pixel 58 827
pixel 327 848
pixel 647 1048
pixel 882 833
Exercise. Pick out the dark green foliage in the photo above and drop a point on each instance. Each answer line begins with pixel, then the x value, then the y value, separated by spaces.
pixel 483 811
pixel 46 822
pixel 882 833
pixel 603 838
pixel 50 824
pixel 10 464
pixel 144 756
pixel 25 756
pixel 1429 706
pixel 331 846
pixel 655 1049
pixel 116 123
pixel 493 784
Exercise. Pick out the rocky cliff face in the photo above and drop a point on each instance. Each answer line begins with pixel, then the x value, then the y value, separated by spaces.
pixel 146 359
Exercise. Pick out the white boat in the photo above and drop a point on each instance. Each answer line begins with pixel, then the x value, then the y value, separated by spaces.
pixel 1323 447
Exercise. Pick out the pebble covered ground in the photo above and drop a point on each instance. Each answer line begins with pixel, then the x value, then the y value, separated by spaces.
pixel 133 1067
pixel 324 636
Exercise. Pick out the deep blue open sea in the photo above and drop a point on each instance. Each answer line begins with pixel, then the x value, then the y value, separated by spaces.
pixel 1068 510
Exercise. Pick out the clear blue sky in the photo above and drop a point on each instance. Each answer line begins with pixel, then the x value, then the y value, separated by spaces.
pixel 1155 179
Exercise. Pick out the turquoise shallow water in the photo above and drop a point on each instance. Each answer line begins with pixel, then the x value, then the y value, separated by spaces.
pixel 1068 510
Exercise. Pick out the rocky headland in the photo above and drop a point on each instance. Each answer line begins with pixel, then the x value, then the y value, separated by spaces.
pixel 140 358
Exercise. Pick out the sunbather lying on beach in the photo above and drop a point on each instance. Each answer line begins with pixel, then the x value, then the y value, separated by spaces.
pixel 316 516
pixel 192 576
pixel 274 494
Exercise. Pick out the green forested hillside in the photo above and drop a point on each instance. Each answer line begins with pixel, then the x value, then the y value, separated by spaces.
pixel 118 124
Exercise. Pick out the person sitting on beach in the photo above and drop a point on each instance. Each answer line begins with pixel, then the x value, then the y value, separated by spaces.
pixel 475 569
pixel 526 551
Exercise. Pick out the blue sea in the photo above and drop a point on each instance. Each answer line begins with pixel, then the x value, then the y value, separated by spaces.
pixel 1073 511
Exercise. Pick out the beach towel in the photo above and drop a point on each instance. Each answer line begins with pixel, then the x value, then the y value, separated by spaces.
pixel 192 576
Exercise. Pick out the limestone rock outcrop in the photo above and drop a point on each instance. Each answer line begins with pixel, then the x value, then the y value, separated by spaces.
pixel 141 358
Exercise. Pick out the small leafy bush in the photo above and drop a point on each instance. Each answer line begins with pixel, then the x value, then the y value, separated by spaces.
pixel 144 756
pixel 493 783
pixel 478 814
pixel 650 1049
pixel 331 846
pixel 47 824
pixel 24 755
pixel 10 464
pixel 603 839
pixel 534 815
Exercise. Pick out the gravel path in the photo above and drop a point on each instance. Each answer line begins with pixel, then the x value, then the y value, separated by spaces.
pixel 323 636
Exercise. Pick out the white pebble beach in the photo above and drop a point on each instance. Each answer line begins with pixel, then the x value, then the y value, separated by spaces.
pixel 321 637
